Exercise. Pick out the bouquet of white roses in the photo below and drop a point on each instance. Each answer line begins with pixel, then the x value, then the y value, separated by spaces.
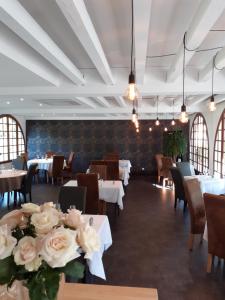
pixel 39 243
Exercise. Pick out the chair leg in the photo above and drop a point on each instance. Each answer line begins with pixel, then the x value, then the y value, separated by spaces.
pixel 25 197
pixel 191 241
pixel 175 202
pixel 209 263
pixel 30 197
pixel 201 238
pixel 158 179
pixel 185 205
pixel 8 199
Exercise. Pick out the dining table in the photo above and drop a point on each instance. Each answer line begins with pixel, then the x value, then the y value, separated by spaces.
pixel 124 170
pixel 102 227
pixel 43 163
pixel 209 184
pixel 109 190
pixel 11 179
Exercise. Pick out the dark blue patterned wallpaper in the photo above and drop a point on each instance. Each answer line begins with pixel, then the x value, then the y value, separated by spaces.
pixel 92 139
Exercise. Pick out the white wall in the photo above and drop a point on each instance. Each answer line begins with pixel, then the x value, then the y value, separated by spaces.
pixel 212 119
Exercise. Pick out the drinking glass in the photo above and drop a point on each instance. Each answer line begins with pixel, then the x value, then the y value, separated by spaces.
pixel 72 206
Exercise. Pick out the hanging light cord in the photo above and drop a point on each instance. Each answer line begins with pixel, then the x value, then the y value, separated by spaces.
pixel 184 65
pixel 132 35
pixel 173 108
pixel 157 106
pixel 213 66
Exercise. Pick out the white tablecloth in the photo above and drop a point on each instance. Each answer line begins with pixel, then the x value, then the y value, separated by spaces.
pixel 101 224
pixel 209 184
pixel 43 163
pixel 109 191
pixel 124 170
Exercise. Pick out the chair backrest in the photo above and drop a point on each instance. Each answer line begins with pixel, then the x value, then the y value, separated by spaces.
pixel 27 183
pixel 19 163
pixel 111 156
pixel 72 195
pixel 215 215
pixel 158 158
pixel 49 154
pixel 185 168
pixel 196 205
pixel 167 163
pixel 92 196
pixel 178 182
pixel 70 159
pixel 112 168
pixel 57 165
pixel 24 156
pixel 99 169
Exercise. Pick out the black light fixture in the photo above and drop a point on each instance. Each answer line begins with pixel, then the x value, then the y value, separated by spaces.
pixel 157 118
pixel 212 104
pixel 134 115
pixel 132 92
pixel 173 121
pixel 183 115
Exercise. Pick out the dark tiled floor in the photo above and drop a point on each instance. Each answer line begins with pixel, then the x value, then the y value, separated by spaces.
pixel 150 246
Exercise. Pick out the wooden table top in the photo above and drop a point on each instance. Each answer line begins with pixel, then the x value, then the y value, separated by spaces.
pixel 74 291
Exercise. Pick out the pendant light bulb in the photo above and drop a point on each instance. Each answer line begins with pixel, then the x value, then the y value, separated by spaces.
pixel 134 115
pixel 165 129
pixel 157 122
pixel 137 124
pixel 132 92
pixel 173 122
pixel 183 115
pixel 150 129
pixel 212 104
pixel 137 130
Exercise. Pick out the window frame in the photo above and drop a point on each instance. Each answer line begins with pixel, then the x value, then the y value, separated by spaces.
pixel 18 127
pixel 222 149
pixel 191 146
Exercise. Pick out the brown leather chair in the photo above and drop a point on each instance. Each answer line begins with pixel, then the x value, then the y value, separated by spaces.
pixel 167 163
pixel 215 215
pixel 111 156
pixel 57 167
pixel 93 204
pixel 99 169
pixel 196 206
pixel 69 162
pixel 158 158
pixel 49 154
pixel 112 168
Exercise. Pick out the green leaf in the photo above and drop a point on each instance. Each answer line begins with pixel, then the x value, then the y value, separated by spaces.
pixel 73 269
pixel 36 289
pixel 7 269
pixel 52 284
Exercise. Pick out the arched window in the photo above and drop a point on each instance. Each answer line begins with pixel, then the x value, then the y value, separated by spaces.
pixel 12 141
pixel 219 148
pixel 199 144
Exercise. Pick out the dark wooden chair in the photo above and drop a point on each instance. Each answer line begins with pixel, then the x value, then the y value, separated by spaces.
pixel 26 186
pixel 179 186
pixel 112 168
pixel 111 156
pixel 69 162
pixel 167 163
pixel 57 167
pixel 19 163
pixel 196 208
pixel 215 215
pixel 72 195
pixel 99 169
pixel 93 204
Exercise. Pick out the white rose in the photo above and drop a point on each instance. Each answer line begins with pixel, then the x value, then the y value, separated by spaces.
pixel 30 208
pixel 13 219
pixel 26 253
pixel 73 218
pixel 47 205
pixel 7 242
pixel 44 221
pixel 88 239
pixel 59 247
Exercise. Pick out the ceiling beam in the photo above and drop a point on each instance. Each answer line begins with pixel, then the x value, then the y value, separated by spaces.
pixel 205 73
pixel 142 15
pixel 120 101
pixel 207 14
pixel 197 99
pixel 86 101
pixel 79 20
pixel 102 101
pixel 13 14
pixel 13 48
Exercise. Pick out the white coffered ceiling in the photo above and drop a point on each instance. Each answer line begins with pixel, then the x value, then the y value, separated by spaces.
pixel 69 59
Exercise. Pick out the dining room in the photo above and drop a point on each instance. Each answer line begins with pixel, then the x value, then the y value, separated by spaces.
pixel 112 149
